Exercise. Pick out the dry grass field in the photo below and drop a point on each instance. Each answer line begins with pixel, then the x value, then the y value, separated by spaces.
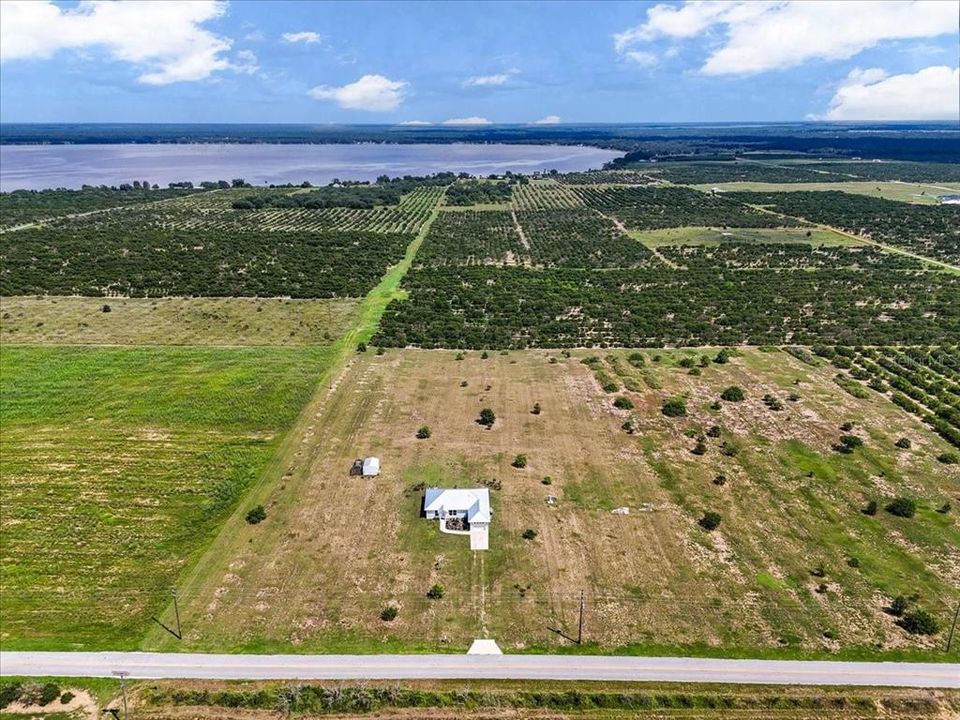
pixel 794 568
pixel 48 320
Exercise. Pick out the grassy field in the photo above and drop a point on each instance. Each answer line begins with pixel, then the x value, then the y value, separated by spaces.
pixel 173 321
pixel 716 236
pixel 335 550
pixel 905 192
pixel 119 465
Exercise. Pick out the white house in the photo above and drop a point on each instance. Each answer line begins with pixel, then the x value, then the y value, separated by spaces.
pixel 371 466
pixel 467 508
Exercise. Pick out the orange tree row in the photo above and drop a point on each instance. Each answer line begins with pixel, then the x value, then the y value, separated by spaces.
pixel 929 230
pixel 142 260
pixel 478 307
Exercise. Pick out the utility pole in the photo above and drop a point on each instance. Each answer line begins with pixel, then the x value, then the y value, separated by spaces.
pixel 580 624
pixel 122 674
pixel 176 610
pixel 953 628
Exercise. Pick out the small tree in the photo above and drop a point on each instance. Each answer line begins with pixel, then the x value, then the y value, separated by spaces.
pixel 904 443
pixel 105 308
pixel 520 461
pixel 361 347
pixel 871 508
pixel 623 403
pixel 720 480
pixel 536 409
pixel 423 433
pixel 732 394
pixel 700 448
pixel 256 515
pixel 710 520
pixel 949 458
pixel 528 534
pixel 487 417
pixel 723 357
pixel 674 407
pixel 388 613
pixel 899 605
pixel 435 593
pixel 919 622
pixel 903 507
pixel 484 355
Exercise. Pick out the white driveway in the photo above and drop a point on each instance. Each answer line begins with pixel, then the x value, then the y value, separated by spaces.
pixel 479 538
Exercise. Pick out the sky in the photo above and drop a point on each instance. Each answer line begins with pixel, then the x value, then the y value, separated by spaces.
pixel 472 63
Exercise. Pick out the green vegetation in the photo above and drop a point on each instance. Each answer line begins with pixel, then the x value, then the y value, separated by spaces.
pixel 930 231
pixel 27 206
pixel 479 192
pixel 256 515
pixel 118 466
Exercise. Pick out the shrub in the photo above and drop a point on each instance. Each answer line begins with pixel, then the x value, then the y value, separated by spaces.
pixel 48 693
pixel 729 448
pixel 463 383
pixel 388 613
pixel 105 308
pixel 899 605
pixel 847 426
pixel 10 693
pixel 714 431
pixel 436 592
pixel 851 441
pixel 547 480
pixel 945 508
pixel 674 407
pixel 487 417
pixel 902 507
pixel 536 409
pixel 720 480
pixel 710 520
pixel 687 362
pixel 361 347
pixel 700 448
pixel 629 425
pixel 871 508
pixel 423 433
pixel 256 515
pixel 66 698
pixel 949 458
pixel 520 461
pixel 732 394
pixel 919 622
pixel 460 356
pixel 528 534
pixel 723 357
pixel 904 443
pixel 853 562
pixel 636 359
pixel 484 355
pixel 623 403
pixel 715 405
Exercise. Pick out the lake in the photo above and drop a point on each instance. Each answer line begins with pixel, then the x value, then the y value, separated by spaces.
pixel 35 167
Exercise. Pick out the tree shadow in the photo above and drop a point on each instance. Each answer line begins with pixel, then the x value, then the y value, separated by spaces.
pixel 169 630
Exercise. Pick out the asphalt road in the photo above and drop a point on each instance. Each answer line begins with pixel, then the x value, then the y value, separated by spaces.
pixel 458 667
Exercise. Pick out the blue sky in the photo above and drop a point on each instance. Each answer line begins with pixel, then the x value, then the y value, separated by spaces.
pixel 502 62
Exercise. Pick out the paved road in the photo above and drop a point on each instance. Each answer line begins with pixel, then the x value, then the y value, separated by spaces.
pixel 458 667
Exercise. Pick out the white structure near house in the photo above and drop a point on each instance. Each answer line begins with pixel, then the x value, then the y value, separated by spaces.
pixel 949 199
pixel 371 466
pixel 466 506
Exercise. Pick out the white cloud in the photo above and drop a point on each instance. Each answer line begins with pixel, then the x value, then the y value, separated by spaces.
pixel 548 120
pixel 472 120
pixel 775 34
pixel 375 93
pixel 246 62
pixel 415 122
pixel 641 57
pixel 163 38
pixel 872 95
pixel 308 37
pixel 487 80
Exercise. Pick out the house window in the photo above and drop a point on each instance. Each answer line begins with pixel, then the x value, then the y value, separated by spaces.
pixel 451 513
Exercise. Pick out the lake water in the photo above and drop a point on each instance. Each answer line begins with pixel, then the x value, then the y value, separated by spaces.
pixel 35 167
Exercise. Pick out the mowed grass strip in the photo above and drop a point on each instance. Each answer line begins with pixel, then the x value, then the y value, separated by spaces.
pixel 52 320
pixel 118 467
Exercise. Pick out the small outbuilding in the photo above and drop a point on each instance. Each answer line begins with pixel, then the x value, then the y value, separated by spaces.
pixel 371 467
